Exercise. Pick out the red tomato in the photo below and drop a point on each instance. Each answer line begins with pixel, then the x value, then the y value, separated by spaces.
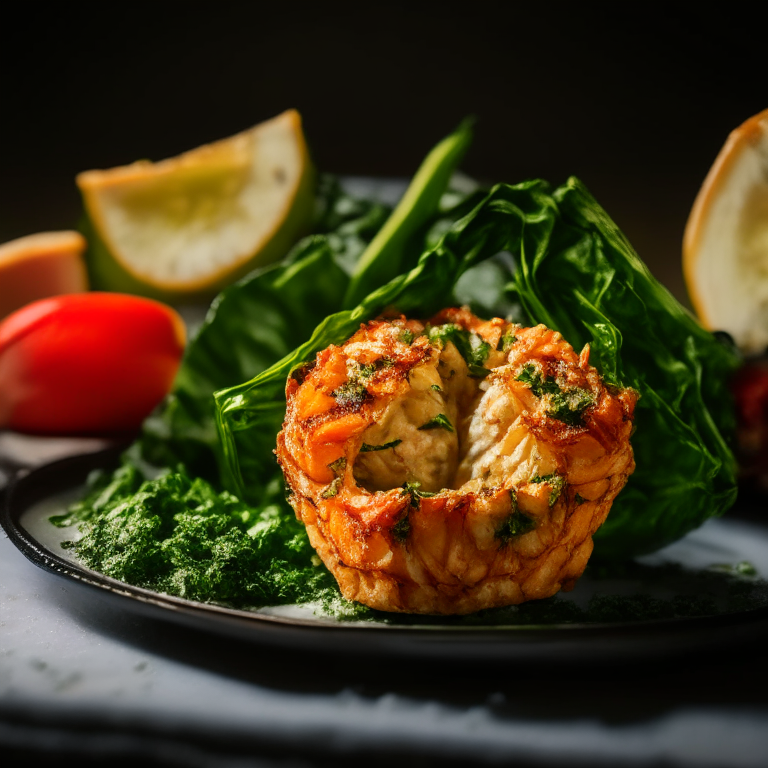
pixel 87 363
pixel 750 389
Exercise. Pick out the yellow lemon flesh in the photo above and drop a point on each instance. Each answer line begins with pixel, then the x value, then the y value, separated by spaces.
pixel 38 266
pixel 186 227
pixel 725 248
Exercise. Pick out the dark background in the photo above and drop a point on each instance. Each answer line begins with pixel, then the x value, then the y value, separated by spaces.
pixel 635 102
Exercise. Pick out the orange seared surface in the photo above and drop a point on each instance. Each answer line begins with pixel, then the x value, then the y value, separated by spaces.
pixel 455 465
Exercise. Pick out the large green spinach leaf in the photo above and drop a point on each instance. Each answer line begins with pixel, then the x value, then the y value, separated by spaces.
pixel 572 269
pixel 160 529
pixel 257 321
pixel 260 319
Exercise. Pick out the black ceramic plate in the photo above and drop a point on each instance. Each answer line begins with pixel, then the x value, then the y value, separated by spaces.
pixel 705 591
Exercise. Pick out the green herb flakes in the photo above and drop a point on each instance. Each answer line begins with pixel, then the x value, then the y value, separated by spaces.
pixel 569 406
pixel 338 466
pixel 531 376
pixel 365 372
pixel 402 528
pixel 471 346
pixel 513 526
pixel 333 489
pixel 478 371
pixel 352 394
pixel 441 421
pixel 181 537
pixel 414 491
pixel 505 342
pixel 565 404
pixel 516 523
pixel 383 447
pixel 556 484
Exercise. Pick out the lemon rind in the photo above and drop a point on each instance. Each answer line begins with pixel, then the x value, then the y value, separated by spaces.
pixel 741 139
pixel 288 225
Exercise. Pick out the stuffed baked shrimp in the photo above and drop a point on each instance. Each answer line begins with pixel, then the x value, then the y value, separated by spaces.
pixel 455 465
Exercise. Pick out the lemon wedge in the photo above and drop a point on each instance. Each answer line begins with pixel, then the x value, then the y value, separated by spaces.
pixel 725 247
pixel 187 226
pixel 38 266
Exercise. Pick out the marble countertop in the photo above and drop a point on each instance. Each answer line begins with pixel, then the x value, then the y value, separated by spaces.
pixel 79 676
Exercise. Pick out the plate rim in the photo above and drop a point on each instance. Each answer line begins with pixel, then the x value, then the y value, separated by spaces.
pixel 29 487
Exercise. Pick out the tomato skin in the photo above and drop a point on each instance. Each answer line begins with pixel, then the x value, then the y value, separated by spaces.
pixel 750 390
pixel 87 363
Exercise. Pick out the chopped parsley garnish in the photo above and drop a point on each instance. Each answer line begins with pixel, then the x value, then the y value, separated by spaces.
pixel 366 371
pixel 406 336
pixel 478 371
pixel 566 405
pixel 441 421
pixel 180 536
pixel 442 334
pixel 506 342
pixel 471 346
pixel 366 448
pixel 338 466
pixel 402 528
pixel 353 393
pixel 412 490
pixel 532 377
pixel 556 484
pixel 479 354
pixel 515 525
pixel 436 388
pixel 569 406
pixel 480 349
pixel 332 489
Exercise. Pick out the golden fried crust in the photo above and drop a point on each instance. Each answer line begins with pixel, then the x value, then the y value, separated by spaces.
pixel 430 485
